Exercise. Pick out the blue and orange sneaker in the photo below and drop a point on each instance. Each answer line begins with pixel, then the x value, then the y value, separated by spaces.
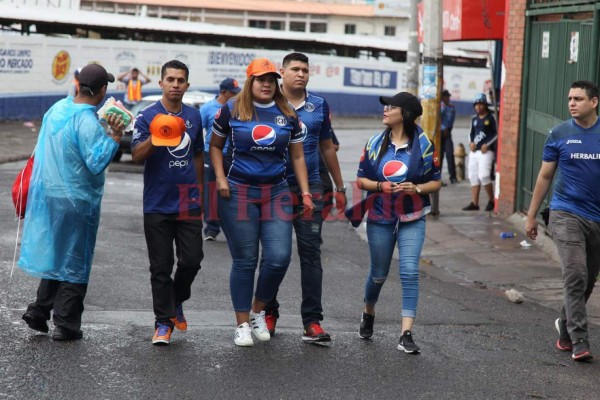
pixel 162 334
pixel 179 320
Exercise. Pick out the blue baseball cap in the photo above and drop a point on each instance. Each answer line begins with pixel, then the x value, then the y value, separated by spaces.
pixel 481 98
pixel 230 85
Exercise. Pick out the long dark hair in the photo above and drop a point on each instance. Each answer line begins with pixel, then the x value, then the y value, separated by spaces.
pixel 410 127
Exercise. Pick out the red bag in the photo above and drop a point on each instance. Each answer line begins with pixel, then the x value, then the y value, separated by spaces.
pixel 20 188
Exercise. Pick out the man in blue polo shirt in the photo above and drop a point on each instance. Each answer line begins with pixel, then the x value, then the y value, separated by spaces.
pixel 228 88
pixel 572 152
pixel 173 176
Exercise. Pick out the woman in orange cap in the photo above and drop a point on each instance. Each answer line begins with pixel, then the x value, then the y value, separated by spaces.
pixel 254 202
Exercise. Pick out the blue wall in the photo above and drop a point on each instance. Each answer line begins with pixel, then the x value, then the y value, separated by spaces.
pixel 341 104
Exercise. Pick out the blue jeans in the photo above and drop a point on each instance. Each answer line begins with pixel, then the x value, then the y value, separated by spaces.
pixel 211 221
pixel 252 216
pixel 409 238
pixel 308 236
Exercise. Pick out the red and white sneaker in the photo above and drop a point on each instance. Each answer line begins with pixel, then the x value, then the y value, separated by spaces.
pixel 313 333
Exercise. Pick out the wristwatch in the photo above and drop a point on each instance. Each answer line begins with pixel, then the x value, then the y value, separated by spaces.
pixel 418 189
pixel 341 189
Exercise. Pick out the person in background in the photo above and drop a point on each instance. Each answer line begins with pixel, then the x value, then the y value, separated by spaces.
pixel 134 80
pixel 314 115
pixel 63 209
pixel 228 88
pixel 398 169
pixel 254 202
pixel 483 138
pixel 448 114
pixel 571 153
pixel 74 88
pixel 173 178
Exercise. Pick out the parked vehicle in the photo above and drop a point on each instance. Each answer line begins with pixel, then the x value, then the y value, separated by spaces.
pixel 193 99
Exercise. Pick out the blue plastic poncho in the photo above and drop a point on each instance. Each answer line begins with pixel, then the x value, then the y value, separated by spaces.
pixel 67 183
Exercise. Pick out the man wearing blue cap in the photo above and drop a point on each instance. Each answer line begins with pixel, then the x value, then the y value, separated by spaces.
pixel 483 137
pixel 228 88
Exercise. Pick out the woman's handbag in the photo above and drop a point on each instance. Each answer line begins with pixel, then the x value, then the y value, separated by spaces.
pixel 20 188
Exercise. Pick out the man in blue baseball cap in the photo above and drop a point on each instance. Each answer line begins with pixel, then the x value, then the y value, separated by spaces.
pixel 228 88
pixel 483 137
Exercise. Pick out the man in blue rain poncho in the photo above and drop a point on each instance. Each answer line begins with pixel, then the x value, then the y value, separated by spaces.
pixel 63 210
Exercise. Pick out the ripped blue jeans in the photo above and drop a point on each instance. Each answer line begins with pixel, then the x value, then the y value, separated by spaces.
pixel 409 237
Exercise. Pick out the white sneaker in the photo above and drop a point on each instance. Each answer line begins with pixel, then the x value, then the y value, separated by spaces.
pixel 243 335
pixel 259 326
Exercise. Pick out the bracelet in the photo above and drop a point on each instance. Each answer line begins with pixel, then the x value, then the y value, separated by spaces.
pixel 379 186
pixel 307 194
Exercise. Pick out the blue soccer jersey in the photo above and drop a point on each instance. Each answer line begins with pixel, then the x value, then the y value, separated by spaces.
pixel 577 153
pixel 170 170
pixel 315 121
pixel 483 131
pixel 207 113
pixel 412 162
pixel 258 147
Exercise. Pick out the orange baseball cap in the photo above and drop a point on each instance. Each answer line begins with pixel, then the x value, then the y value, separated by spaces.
pixel 166 130
pixel 261 66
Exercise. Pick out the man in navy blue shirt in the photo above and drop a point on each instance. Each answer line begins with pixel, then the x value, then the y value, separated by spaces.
pixel 448 113
pixel 228 88
pixel 313 112
pixel 173 177
pixel 483 138
pixel 572 153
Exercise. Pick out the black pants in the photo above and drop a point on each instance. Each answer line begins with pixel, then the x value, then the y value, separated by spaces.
pixel 65 298
pixel 447 148
pixel 161 231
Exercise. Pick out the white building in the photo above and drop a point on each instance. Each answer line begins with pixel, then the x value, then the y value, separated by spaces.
pixel 380 18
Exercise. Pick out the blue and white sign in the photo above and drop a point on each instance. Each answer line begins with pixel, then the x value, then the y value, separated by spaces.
pixel 370 78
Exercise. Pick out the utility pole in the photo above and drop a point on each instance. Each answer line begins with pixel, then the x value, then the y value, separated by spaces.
pixel 413 54
pixel 433 77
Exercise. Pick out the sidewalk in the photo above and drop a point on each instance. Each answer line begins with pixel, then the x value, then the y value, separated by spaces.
pixel 464 247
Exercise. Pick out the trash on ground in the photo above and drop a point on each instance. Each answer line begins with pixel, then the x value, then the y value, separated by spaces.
pixel 525 243
pixel 514 296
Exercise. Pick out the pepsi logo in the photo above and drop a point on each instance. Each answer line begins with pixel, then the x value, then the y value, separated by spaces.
pixel 395 171
pixel 263 135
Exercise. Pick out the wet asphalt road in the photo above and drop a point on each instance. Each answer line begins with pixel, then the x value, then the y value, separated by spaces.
pixel 475 344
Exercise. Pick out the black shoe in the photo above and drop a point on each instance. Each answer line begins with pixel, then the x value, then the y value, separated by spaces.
pixel 444 184
pixel 564 342
pixel 581 350
pixel 63 334
pixel 490 206
pixel 366 326
pixel 453 180
pixel 34 323
pixel 407 344
pixel 471 207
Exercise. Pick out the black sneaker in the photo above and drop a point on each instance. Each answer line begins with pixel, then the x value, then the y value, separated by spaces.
pixel 453 180
pixel 35 323
pixel 366 326
pixel 490 206
pixel 63 334
pixel 564 342
pixel 407 344
pixel 471 207
pixel 581 350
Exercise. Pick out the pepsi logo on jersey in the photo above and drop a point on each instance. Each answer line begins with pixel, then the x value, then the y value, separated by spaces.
pixel 395 171
pixel 263 136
